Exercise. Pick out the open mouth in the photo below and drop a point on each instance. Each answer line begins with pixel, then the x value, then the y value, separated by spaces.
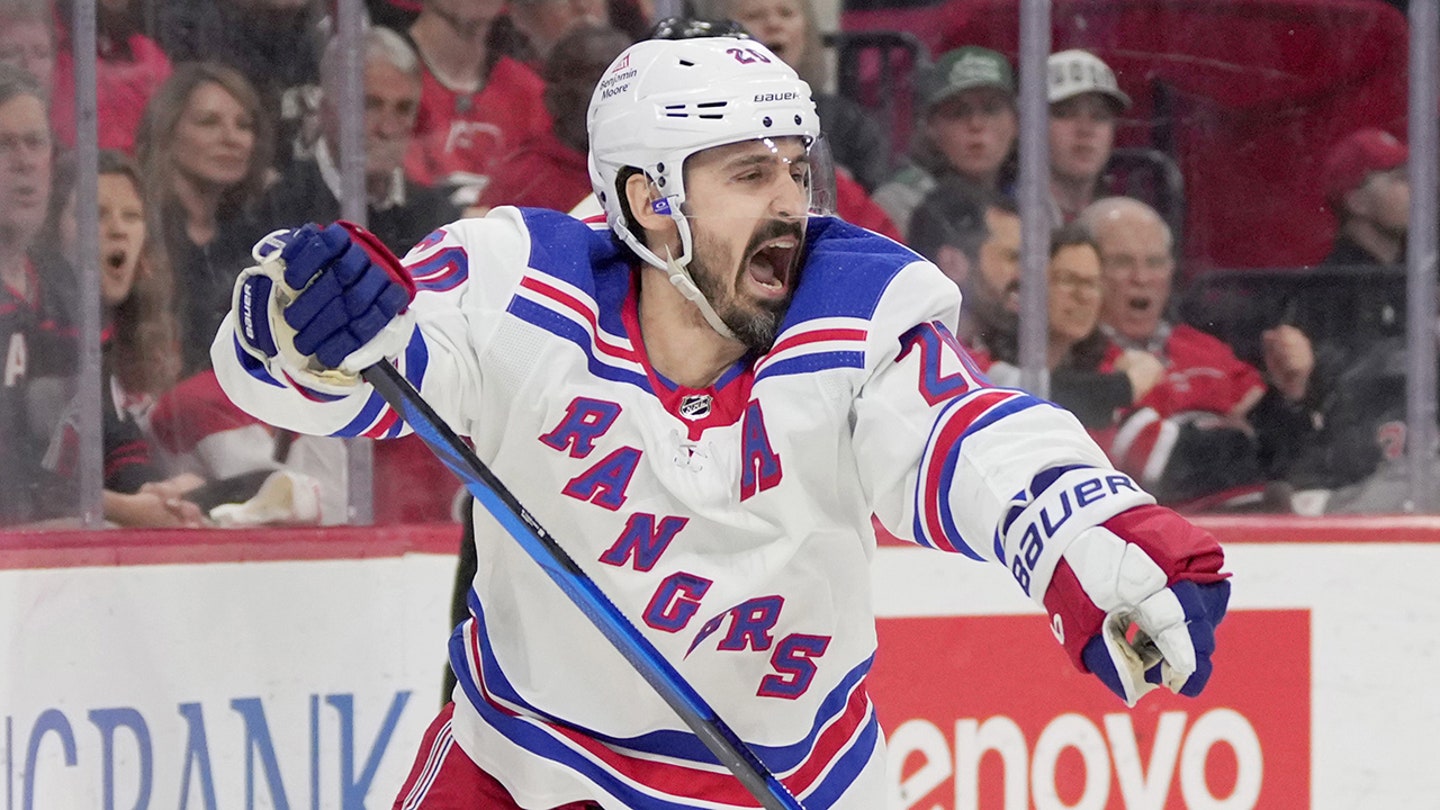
pixel 1138 303
pixel 769 265
pixel 115 259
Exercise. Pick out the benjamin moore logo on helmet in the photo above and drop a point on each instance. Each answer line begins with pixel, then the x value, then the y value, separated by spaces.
pixel 761 98
pixel 619 83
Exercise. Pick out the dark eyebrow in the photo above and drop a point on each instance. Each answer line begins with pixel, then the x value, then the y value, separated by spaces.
pixel 761 157
pixel 747 161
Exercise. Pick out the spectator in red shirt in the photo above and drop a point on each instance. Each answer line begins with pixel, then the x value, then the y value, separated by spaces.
pixel 1075 345
pixel 1213 426
pixel 476 104
pixel 129 68
pixel 550 170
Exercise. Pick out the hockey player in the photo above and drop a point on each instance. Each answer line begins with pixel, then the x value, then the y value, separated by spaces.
pixel 705 403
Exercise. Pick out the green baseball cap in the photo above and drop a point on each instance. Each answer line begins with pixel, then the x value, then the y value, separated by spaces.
pixel 964 69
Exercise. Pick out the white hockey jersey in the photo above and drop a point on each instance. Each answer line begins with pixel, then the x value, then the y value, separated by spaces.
pixel 731 524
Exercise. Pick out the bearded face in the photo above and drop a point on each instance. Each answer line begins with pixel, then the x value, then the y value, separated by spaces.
pixel 747 205
pixel 771 263
pixel 993 293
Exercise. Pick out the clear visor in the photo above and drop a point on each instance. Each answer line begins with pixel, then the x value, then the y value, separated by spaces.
pixel 822 178
pixel 790 175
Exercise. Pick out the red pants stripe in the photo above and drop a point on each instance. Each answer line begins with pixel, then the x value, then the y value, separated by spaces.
pixel 444 778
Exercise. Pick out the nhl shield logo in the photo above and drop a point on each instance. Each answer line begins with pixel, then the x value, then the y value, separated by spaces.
pixel 695 406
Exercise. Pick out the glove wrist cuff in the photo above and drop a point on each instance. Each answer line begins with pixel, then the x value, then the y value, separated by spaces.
pixel 1035 538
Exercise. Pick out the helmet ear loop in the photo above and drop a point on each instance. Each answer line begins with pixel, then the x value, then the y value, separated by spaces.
pixel 680 277
pixel 678 269
pixel 674 206
pixel 681 215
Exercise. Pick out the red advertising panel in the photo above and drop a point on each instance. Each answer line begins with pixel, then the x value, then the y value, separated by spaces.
pixel 986 713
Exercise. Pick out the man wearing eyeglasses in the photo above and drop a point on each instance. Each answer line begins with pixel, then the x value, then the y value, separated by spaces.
pixel 1215 429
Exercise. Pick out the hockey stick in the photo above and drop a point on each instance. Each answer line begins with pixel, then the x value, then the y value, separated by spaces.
pixel 732 752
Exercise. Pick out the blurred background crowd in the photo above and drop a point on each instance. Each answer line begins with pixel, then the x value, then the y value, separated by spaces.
pixel 1228 207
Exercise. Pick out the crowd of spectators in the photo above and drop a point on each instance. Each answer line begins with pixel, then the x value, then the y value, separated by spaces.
pixel 1314 424
pixel 219 121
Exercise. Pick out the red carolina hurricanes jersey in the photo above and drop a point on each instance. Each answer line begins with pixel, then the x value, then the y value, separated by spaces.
pixel 459 136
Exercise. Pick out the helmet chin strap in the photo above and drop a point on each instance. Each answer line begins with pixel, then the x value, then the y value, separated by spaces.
pixel 680 277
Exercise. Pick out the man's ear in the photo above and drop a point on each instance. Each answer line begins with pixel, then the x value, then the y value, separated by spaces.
pixel 953 262
pixel 641 194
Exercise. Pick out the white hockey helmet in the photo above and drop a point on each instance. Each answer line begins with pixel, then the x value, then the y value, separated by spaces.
pixel 663 100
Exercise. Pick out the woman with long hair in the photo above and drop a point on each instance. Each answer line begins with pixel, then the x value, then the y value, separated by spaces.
pixel 136 286
pixel 204 149
pixel 139 354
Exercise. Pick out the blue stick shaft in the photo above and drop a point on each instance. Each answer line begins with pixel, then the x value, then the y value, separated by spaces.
pixel 728 748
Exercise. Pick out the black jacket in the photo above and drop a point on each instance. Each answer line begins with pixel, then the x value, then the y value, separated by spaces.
pixel 301 196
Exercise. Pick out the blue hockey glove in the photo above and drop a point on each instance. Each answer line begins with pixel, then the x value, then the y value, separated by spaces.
pixel 1091 548
pixel 321 305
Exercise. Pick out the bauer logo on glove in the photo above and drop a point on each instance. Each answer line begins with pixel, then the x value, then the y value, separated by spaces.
pixel 322 305
pixel 255 295
pixel 1094 551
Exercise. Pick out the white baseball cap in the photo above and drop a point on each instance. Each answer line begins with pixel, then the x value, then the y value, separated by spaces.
pixel 1074 72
